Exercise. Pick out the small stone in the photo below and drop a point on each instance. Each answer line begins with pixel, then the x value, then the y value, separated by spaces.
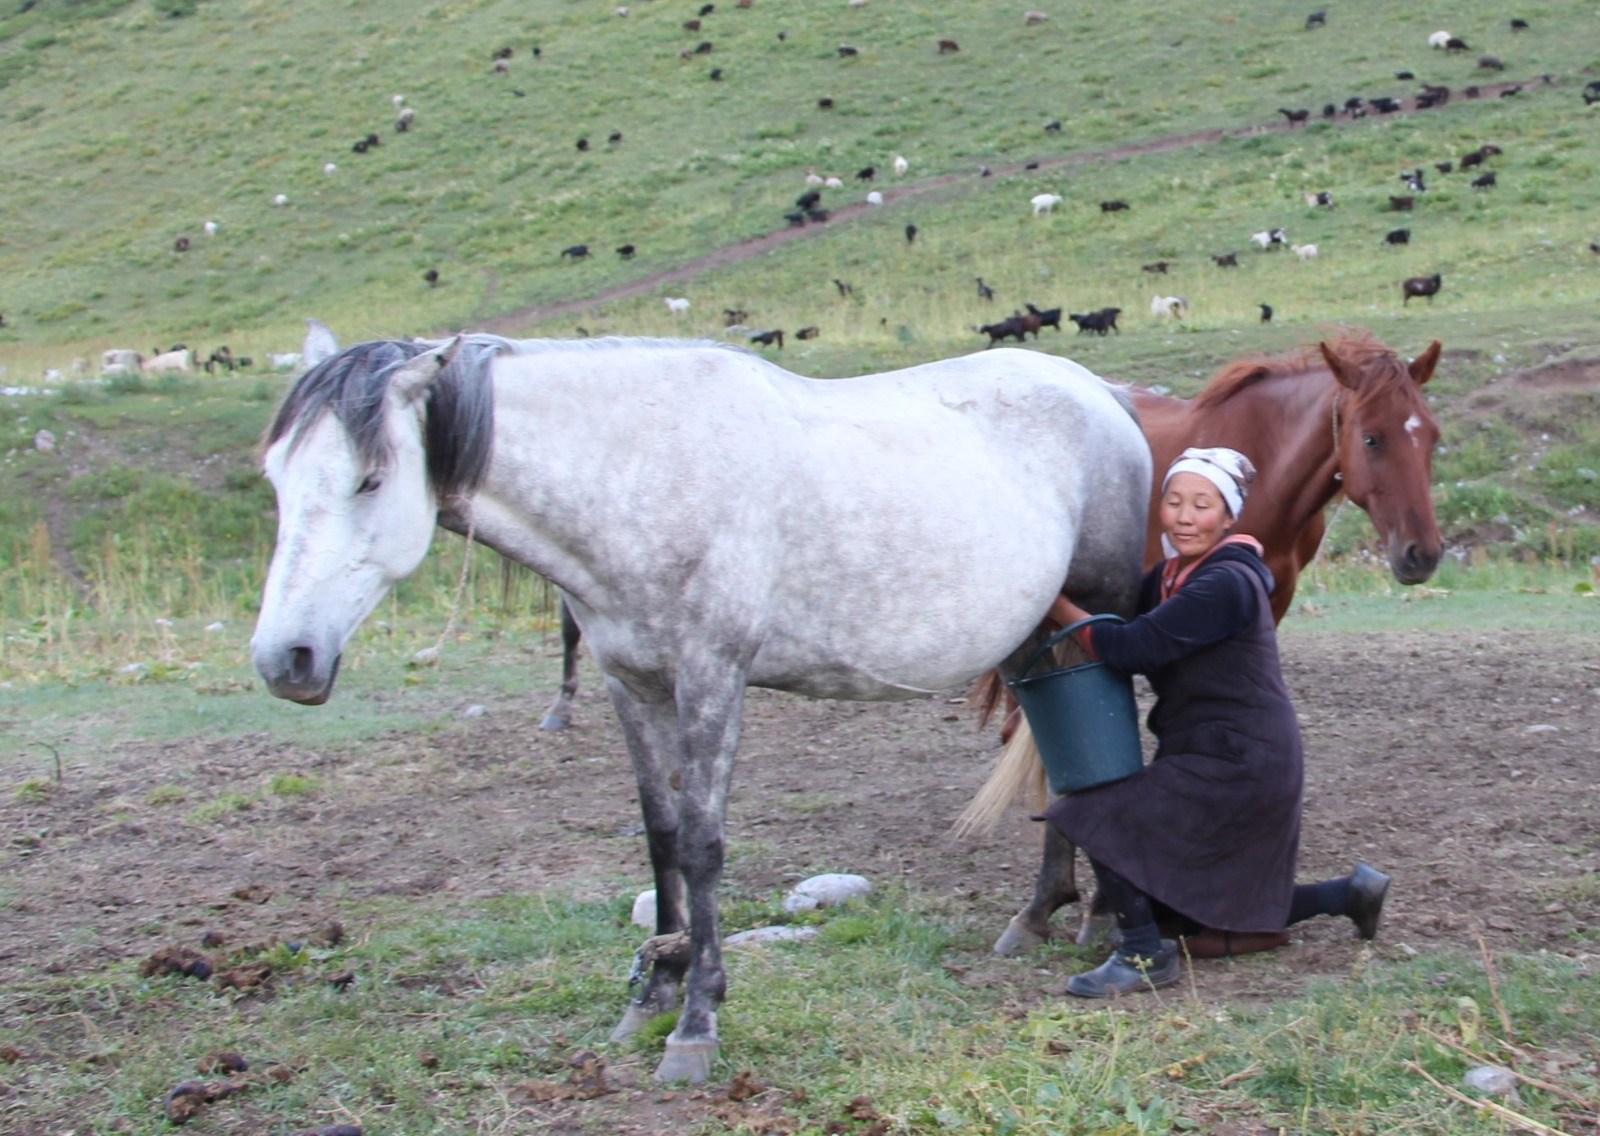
pixel 644 909
pixel 760 935
pixel 44 441
pixel 1491 1080
pixel 828 890
pixel 476 710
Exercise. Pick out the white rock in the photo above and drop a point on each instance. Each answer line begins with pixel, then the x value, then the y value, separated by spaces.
pixel 828 890
pixel 1491 1080
pixel 644 909
pixel 759 935
pixel 476 710
pixel 44 441
pixel 281 199
pixel 131 669
pixel 328 168
pixel 215 627
pixel 1541 728
pixel 162 622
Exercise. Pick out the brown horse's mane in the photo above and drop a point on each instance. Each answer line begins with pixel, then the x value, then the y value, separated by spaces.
pixel 1356 345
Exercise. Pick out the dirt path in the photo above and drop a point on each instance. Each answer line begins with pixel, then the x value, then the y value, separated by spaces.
pixel 512 322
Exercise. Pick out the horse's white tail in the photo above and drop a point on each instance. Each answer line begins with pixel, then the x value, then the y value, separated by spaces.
pixel 1017 768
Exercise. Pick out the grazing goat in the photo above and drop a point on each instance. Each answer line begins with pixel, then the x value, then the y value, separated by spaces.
pixel 404 119
pixel 1383 104
pixel 1156 266
pixel 833 183
pixel 1511 92
pixel 874 198
pixel 1414 180
pixel 691 25
pixel 1053 127
pixel 1402 204
pixel 808 333
pixel 1456 43
pixel 809 198
pixel 984 291
pixel 796 219
pixel 1329 110
pixel 211 228
pixel 844 288
pixel 677 305
pixel 1098 322
pixel 181 245
pixel 818 216
pixel 900 166
pixel 175 360
pixel 626 251
pixel 1173 306
pixel 847 52
pixel 1405 76
pixel 1591 93
pixel 1519 25
pixel 1484 181
pixel 1033 16
pixel 432 277
pixel 1438 39
pixel 825 104
pixel 1269 238
pixel 734 316
pixel 911 233
pixel 1295 117
pixel 1016 324
pixel 946 46
pixel 1323 198
pixel 574 252
pixel 1226 260
pixel 1049 317
pixel 1420 286
pixel 1317 19
pixel 1113 206
pixel 614 137
pixel 1266 312
pixel 1304 252
pixel 768 338
pixel 1397 237
pixel 866 173
pixel 1490 63
pixel 1044 202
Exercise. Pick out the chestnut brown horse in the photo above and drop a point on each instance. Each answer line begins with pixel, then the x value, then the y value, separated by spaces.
pixel 1345 415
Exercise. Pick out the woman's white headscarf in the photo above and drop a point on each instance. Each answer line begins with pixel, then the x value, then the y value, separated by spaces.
pixel 1229 470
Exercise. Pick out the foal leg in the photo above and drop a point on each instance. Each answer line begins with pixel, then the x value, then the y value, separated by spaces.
pixel 559 716
pixel 655 746
pixel 710 696
pixel 1055 886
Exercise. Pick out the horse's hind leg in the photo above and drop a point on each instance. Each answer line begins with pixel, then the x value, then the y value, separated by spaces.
pixel 1055 886
pixel 559 716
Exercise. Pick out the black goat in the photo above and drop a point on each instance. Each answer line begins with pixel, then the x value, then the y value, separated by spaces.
pixel 1226 260
pixel 626 251
pixel 574 252
pixel 1049 317
pixel 1484 181
pixel 1420 286
pixel 911 233
pixel 432 277
pixel 1317 19
pixel 1397 237
pixel 1113 206
pixel 984 291
pixel 1295 117
pixel 768 338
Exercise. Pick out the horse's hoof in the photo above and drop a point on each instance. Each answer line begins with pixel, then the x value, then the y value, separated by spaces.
pixel 687 1061
pixel 1096 929
pixel 1018 938
pixel 633 1020
pixel 555 722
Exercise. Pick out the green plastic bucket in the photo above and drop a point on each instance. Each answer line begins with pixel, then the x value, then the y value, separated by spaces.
pixel 1084 719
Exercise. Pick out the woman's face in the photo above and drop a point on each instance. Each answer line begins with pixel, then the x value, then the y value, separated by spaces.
pixel 1193 515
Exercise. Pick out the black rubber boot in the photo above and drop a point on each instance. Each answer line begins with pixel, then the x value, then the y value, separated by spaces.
pixel 1127 974
pixel 1364 905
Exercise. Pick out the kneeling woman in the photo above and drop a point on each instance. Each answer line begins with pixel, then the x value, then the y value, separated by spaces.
pixel 1211 827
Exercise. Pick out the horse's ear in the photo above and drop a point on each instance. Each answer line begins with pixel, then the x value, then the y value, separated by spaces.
pixel 410 382
pixel 1340 369
pixel 1423 365
pixel 320 344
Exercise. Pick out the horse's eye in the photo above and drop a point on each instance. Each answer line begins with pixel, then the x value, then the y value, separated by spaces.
pixel 369 484
pixel 1369 441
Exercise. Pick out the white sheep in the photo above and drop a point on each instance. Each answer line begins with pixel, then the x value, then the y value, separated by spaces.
pixel 813 178
pixel 900 166
pixel 1044 202
pixel 168 361
pixel 677 305
pixel 211 228
pixel 1305 252
pixel 874 198
pixel 1033 16
pixel 1174 306
pixel 398 100
pixel 1438 39
pixel 833 182
pixel 281 199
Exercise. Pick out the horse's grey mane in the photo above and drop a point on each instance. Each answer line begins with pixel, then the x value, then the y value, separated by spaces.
pixel 458 429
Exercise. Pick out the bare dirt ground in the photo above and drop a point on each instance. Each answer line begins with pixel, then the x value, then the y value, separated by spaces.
pixel 1463 765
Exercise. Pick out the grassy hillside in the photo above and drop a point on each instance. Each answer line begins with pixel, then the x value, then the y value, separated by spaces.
pixel 131 124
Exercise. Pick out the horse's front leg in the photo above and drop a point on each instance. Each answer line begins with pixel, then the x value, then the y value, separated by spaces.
pixel 650 727
pixel 710 697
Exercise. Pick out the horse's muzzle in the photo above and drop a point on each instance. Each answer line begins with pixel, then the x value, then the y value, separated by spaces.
pixel 1411 563
pixel 299 674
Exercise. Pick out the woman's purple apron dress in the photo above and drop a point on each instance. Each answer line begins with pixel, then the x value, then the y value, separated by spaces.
pixel 1211 827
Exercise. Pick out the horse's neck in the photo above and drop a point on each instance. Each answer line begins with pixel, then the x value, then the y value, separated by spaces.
pixel 1287 426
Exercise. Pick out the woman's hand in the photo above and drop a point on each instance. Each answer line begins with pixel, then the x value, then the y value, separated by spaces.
pixel 1064 611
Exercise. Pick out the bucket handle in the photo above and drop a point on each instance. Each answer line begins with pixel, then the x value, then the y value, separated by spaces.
pixel 1107 617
